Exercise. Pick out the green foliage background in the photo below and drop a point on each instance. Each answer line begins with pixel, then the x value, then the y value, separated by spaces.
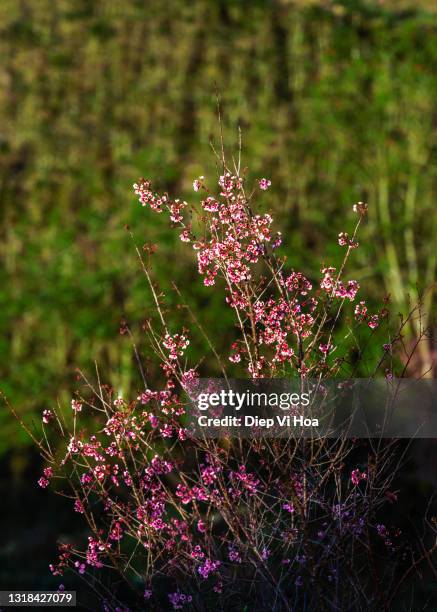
pixel 336 102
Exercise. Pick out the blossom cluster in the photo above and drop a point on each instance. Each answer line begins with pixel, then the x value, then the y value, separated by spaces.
pixel 276 326
pixel 208 516
pixel 166 505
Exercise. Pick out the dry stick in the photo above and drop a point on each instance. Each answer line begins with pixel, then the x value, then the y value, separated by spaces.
pixel 397 337
pixel 203 332
pixel 149 280
pixel 103 491
pixel 25 427
pixel 416 344
pixel 430 283
pixel 423 346
pixel 91 523
pixel 410 249
pixel 395 271
pixel 90 584
pixel 137 356
pixel 331 296
pixel 235 517
pixel 426 556
pixel 384 213
pixel 119 512
pixel 221 131
pixel 158 349
pixel 105 404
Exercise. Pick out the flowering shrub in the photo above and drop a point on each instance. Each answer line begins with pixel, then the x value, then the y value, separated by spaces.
pixel 257 524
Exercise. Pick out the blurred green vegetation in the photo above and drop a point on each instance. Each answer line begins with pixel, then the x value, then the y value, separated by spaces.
pixel 336 102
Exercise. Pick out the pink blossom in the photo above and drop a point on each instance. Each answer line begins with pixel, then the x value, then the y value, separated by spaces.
pixel 248 480
pixel 43 482
pixel 185 235
pixel 235 358
pixel 175 209
pixel 336 288
pixel 166 431
pixel 182 433
pixel 188 377
pixel 81 567
pixel 184 494
pixel 361 311
pixel 47 416
pixel 198 183
pixel 209 473
pixel 265 554
pixel 208 568
pixel 325 348
pixel 210 204
pixel 373 321
pixel 95 548
pixel 154 421
pixel 234 555
pixel 147 197
pixel 178 600
pixel 360 208
pixel 276 243
pixel 357 476
pixel 343 238
pixel 76 406
pixel 176 345
pixel 264 184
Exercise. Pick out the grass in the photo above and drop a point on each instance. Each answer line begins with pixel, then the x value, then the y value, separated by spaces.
pixel 335 102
